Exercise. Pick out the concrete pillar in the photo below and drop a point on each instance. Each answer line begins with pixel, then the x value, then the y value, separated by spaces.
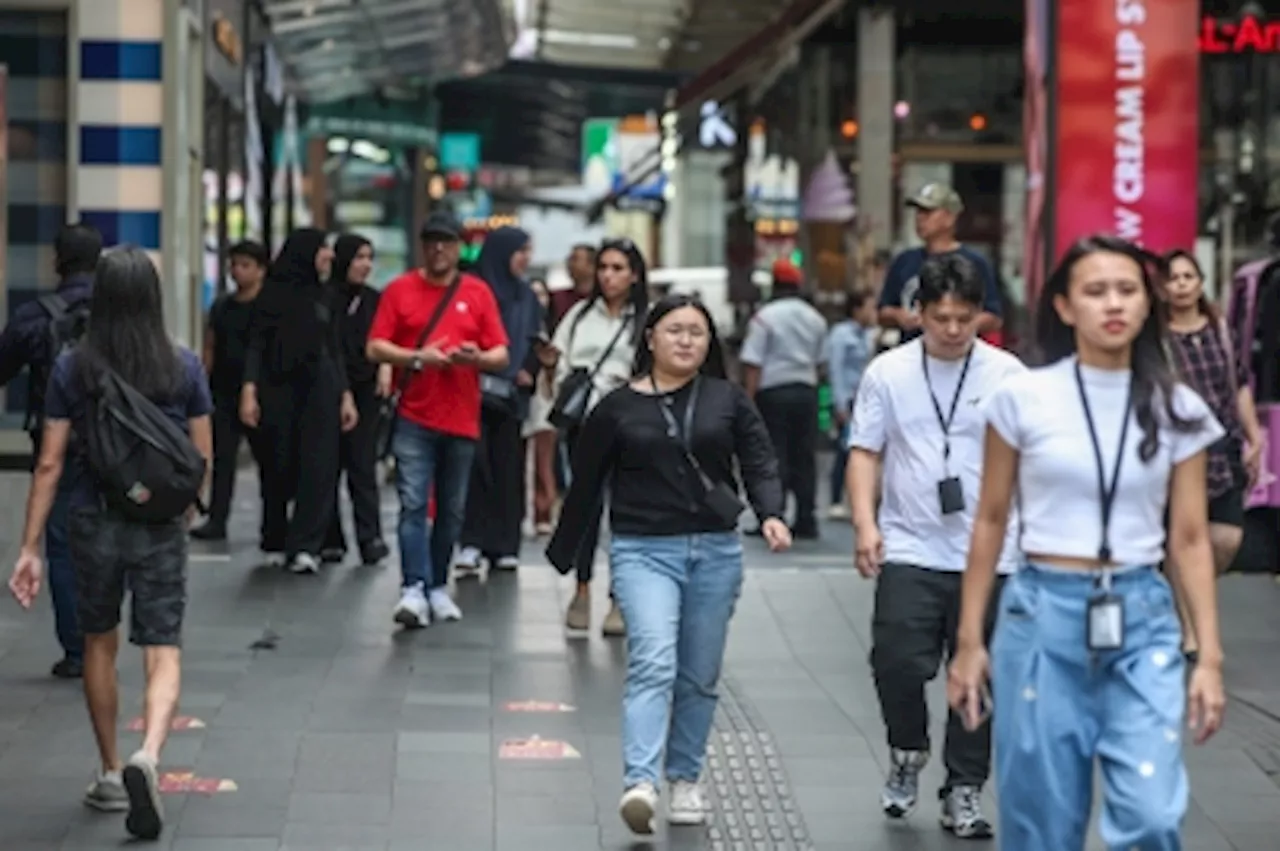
pixel 877 52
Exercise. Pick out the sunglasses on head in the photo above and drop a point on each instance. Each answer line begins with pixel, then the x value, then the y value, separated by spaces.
pixel 621 244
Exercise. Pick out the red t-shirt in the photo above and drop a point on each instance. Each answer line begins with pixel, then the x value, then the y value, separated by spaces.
pixel 447 399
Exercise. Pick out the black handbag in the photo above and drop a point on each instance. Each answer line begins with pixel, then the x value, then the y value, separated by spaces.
pixel 389 408
pixel 569 411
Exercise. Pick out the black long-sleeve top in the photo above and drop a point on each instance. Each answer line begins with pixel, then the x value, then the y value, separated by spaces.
pixel 653 490
pixel 356 306
pixel 293 328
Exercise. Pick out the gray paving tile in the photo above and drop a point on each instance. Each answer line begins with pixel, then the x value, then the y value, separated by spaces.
pixel 343 808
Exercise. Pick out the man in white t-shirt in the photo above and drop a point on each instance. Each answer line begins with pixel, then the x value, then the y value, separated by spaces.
pixel 916 440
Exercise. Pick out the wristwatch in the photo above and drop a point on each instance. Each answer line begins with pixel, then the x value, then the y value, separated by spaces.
pixel 416 364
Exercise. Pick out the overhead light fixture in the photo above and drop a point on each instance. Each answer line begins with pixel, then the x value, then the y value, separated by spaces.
pixel 327 44
pixel 574 38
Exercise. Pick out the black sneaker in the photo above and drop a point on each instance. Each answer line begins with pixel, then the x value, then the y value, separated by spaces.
pixel 210 532
pixel 374 552
pixel 333 555
pixel 68 668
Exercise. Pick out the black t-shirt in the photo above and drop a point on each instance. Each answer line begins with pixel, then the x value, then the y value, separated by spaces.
pixel 229 319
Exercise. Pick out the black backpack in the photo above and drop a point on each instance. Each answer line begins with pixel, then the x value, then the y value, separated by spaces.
pixel 145 465
pixel 67 325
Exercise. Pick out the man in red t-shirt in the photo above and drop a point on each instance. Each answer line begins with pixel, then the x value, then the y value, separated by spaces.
pixel 438 421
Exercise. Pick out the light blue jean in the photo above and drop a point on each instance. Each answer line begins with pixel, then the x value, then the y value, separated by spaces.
pixel 677 594
pixel 1058 707
pixel 427 459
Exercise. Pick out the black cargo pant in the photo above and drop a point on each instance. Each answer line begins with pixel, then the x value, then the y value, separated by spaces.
pixel 790 413
pixel 913 632
pixel 228 431
pixel 358 458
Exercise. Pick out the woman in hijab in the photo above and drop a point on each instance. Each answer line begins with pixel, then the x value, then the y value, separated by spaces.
pixel 295 392
pixel 355 304
pixel 495 499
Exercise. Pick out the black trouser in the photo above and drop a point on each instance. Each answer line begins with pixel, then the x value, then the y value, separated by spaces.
pixel 227 433
pixel 913 632
pixel 358 457
pixel 790 412
pixel 585 560
pixel 301 423
pixel 495 497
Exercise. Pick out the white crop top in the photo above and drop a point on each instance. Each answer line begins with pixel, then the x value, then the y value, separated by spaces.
pixel 1039 414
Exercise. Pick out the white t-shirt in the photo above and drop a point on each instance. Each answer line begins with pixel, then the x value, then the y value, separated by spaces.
pixel 893 415
pixel 1040 415
pixel 787 340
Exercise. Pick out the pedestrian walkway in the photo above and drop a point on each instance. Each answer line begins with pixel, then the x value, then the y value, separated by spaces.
pixel 309 723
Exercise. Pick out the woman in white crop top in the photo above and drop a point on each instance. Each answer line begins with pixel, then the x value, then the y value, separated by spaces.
pixel 1086 660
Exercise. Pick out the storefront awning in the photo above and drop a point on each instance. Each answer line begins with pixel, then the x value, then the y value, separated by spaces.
pixel 338 49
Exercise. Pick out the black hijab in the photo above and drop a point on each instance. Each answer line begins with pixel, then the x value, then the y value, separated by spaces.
pixel 521 312
pixel 345 251
pixel 294 308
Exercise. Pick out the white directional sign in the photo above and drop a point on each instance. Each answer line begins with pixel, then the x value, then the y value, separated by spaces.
pixel 714 131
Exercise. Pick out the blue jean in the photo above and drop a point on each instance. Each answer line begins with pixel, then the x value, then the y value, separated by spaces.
pixel 425 458
pixel 676 594
pixel 1059 706
pixel 62 575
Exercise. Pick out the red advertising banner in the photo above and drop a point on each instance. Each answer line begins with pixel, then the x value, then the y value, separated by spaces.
pixel 1126 136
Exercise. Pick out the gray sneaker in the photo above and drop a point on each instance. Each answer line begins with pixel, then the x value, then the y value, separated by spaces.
pixel 106 793
pixel 962 813
pixel 902 786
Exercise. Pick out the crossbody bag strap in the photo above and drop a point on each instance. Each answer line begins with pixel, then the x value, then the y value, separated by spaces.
pixel 407 375
pixel 626 323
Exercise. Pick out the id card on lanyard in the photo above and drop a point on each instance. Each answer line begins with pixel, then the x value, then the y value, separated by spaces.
pixel 950 490
pixel 1104 629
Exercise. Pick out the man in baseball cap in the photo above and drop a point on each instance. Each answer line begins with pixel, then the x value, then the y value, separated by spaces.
pixel 937 206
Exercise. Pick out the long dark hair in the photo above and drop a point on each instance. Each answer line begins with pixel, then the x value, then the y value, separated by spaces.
pixel 126 325
pixel 1153 375
pixel 638 297
pixel 713 366
pixel 1207 307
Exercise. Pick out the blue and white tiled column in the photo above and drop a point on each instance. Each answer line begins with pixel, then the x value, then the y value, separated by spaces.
pixel 119 180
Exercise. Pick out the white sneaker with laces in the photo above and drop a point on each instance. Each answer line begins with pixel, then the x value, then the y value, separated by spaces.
pixel 687 806
pixel 637 807
pixel 467 564
pixel 412 611
pixel 304 563
pixel 442 606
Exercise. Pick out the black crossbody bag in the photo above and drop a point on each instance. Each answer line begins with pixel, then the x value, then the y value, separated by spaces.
pixel 718 496
pixel 389 409
pixel 569 411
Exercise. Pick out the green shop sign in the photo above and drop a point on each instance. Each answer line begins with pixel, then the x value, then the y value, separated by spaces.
pixel 397 123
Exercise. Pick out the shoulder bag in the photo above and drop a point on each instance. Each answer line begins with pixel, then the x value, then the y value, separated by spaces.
pixel 389 409
pixel 570 408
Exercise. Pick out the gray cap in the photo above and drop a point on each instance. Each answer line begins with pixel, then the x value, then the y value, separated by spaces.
pixel 937 196
pixel 440 224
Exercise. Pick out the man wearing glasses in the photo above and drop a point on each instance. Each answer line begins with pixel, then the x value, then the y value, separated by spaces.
pixel 443 326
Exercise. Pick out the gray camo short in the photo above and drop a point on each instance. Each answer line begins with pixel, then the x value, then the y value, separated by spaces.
pixel 111 555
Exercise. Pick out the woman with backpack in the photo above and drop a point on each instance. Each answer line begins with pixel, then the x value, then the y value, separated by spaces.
pixel 295 390
pixel 127 427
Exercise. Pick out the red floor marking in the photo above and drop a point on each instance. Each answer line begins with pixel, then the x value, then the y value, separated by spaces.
pixel 180 724
pixel 184 782
pixel 538 706
pixel 537 748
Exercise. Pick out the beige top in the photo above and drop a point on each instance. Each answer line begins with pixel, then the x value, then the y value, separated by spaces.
pixel 582 346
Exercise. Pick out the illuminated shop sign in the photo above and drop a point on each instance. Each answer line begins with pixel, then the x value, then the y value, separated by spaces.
pixel 1251 34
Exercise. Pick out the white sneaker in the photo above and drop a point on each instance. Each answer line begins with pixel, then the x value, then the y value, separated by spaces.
pixel 467 564
pixel 508 563
pixel 271 559
pixel 412 611
pixel 304 563
pixel 637 807
pixel 687 806
pixel 442 606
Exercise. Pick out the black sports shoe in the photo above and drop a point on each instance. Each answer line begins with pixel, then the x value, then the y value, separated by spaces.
pixel 374 552
pixel 68 668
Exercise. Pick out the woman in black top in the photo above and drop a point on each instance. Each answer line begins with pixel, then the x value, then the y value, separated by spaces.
pixel 676 554
pixel 355 303
pixel 295 390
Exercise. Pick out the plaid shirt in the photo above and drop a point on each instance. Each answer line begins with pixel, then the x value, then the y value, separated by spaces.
pixel 1204 363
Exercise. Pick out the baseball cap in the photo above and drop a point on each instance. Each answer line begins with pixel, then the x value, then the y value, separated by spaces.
pixel 937 196
pixel 440 225
pixel 786 272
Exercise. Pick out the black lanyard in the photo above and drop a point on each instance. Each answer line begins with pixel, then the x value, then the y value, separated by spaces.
pixel 1106 494
pixel 685 435
pixel 945 422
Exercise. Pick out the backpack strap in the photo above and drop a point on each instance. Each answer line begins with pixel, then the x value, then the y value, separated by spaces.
pixel 54 305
